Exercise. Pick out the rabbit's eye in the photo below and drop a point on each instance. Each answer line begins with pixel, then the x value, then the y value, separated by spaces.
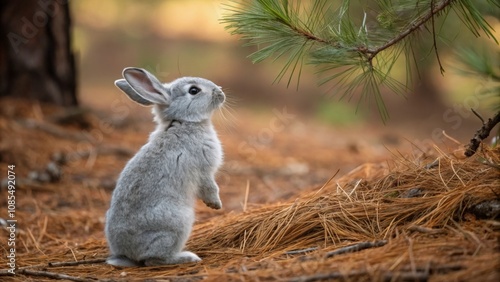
pixel 194 90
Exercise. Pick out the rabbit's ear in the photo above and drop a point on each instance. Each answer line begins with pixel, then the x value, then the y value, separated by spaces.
pixel 146 85
pixel 131 93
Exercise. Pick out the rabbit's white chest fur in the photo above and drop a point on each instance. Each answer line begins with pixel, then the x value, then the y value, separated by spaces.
pixel 185 154
pixel 195 146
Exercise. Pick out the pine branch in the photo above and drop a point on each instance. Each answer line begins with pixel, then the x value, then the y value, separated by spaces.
pixel 356 57
pixel 366 51
pixel 481 133
pixel 417 24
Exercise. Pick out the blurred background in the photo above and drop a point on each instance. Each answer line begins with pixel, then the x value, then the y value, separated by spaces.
pixel 67 151
pixel 184 38
pixel 274 136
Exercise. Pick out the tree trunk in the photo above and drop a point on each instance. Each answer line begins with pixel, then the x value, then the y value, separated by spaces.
pixel 36 60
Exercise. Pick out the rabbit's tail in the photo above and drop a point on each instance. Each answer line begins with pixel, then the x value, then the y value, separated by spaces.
pixel 121 261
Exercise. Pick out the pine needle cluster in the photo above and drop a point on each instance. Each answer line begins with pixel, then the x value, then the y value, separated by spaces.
pixel 354 52
pixel 483 65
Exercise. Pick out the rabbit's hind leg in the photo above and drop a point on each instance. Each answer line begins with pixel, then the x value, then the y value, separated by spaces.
pixel 182 257
pixel 166 248
pixel 121 261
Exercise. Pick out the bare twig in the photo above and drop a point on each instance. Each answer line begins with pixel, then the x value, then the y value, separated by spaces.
pixel 56 264
pixel 303 251
pixel 73 263
pixel 40 273
pixel 477 115
pixel 53 275
pixel 481 134
pixel 356 248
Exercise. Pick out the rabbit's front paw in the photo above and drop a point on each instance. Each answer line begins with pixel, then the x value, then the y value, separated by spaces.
pixel 214 204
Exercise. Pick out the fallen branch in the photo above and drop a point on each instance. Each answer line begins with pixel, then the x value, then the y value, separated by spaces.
pixel 356 248
pixel 482 133
pixel 53 275
pixel 73 263
pixel 303 251
pixel 54 264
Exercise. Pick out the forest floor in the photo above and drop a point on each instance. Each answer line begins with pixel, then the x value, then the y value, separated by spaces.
pixel 301 201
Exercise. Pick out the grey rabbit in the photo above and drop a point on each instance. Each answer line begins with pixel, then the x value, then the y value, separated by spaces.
pixel 152 207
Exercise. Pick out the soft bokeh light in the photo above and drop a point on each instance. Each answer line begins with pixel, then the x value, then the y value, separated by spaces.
pixel 191 19
pixel 175 38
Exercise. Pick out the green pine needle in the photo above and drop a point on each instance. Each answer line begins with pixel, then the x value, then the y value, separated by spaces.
pixel 485 65
pixel 353 51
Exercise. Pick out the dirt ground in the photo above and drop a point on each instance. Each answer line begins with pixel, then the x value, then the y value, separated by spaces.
pixel 283 214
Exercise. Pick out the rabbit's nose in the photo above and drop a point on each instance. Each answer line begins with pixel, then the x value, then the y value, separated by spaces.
pixel 219 95
pixel 217 91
